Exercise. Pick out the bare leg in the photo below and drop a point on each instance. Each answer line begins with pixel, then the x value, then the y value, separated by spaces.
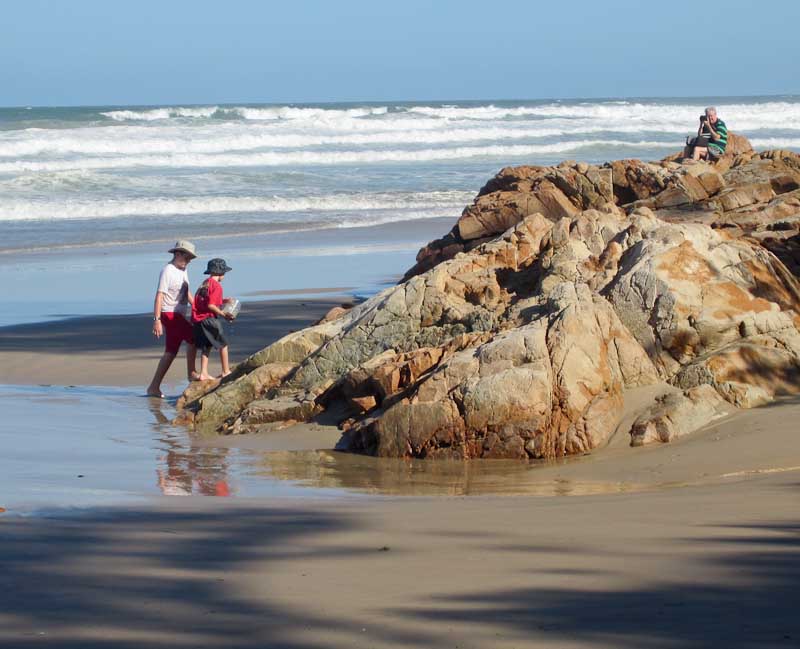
pixel 204 376
pixel 154 389
pixel 700 153
pixel 223 359
pixel 191 362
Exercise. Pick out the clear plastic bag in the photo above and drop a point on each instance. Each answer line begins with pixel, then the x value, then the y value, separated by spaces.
pixel 233 306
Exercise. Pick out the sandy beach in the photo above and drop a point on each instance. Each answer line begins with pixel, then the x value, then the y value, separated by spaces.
pixel 121 349
pixel 560 406
pixel 703 549
pixel 692 567
pixel 120 528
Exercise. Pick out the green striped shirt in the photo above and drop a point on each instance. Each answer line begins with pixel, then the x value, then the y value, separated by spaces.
pixel 722 132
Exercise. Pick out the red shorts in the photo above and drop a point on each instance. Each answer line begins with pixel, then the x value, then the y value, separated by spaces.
pixel 177 330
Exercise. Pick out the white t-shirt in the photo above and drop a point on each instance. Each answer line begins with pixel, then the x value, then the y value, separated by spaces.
pixel 171 283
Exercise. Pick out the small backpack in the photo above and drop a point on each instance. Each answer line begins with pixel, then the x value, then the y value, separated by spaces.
pixel 203 290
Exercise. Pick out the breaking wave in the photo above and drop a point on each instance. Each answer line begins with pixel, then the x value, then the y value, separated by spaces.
pixel 294 158
pixel 225 168
pixel 245 112
pixel 432 204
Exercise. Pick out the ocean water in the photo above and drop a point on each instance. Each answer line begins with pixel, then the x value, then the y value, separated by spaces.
pixel 116 176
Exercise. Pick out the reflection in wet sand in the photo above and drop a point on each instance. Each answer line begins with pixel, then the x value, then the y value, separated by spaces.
pixel 86 446
pixel 332 470
pixel 184 469
pixel 203 470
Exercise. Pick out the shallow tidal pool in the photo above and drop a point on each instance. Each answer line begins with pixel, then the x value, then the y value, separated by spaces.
pixel 88 446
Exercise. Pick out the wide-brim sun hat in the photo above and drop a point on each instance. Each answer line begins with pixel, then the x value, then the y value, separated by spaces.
pixel 217 266
pixel 184 246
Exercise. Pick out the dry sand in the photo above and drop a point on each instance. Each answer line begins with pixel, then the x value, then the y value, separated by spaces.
pixel 691 544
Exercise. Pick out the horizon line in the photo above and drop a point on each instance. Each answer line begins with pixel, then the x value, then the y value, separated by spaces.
pixel 405 101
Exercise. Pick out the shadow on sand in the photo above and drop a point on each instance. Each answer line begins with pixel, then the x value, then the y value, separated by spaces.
pixel 753 605
pixel 149 579
pixel 256 328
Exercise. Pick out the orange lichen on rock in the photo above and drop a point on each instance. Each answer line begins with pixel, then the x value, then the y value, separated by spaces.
pixel 518 333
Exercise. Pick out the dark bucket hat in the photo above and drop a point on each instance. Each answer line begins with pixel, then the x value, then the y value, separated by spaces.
pixel 217 266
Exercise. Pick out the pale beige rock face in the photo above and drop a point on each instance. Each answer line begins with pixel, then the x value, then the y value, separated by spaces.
pixel 522 346
pixel 679 413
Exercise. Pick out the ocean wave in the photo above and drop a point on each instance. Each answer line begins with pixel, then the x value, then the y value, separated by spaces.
pixel 154 114
pixel 775 143
pixel 299 129
pixel 89 143
pixel 267 159
pixel 767 114
pixel 442 203
pixel 296 113
pixel 106 143
pixel 245 112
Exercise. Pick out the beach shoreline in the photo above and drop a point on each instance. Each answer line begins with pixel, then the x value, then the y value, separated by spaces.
pixel 515 370
pixel 120 350
pixel 626 547
pixel 121 527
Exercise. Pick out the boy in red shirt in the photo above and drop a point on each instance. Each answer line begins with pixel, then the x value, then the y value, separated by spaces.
pixel 207 307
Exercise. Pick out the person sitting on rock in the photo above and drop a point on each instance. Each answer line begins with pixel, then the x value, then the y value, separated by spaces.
pixel 712 137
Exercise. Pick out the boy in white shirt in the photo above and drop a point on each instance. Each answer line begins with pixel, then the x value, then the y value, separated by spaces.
pixel 170 315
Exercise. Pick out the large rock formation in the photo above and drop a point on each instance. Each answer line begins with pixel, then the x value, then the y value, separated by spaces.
pixel 518 333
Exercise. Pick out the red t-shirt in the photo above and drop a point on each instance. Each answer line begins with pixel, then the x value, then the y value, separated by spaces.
pixel 202 300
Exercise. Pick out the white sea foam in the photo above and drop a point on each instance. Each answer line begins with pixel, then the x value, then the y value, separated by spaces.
pixel 103 141
pixel 92 142
pixel 776 143
pixel 269 159
pixel 334 166
pixel 254 113
pixel 443 203
pixel 770 114
pixel 293 113
pixel 160 113
pixel 288 127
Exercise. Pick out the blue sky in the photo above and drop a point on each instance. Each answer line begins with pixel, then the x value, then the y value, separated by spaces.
pixel 177 51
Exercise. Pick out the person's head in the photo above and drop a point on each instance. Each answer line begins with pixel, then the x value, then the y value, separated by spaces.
pixel 711 114
pixel 217 268
pixel 182 253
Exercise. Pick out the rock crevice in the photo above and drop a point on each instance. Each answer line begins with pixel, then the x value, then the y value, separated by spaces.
pixel 517 334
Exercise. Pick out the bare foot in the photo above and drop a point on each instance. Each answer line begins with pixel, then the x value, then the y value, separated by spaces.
pixel 224 374
pixel 194 376
pixel 204 377
pixel 157 394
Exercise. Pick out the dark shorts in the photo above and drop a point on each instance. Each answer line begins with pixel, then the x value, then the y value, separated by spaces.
pixel 714 152
pixel 209 333
pixel 177 330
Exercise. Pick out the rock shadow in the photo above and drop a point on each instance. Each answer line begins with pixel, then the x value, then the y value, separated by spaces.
pixel 750 604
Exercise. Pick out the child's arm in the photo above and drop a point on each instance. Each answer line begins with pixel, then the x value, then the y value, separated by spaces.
pixel 219 312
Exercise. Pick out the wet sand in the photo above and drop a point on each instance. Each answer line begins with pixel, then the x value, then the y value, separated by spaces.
pixel 121 350
pixel 690 544
pixel 714 566
pixel 91 446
